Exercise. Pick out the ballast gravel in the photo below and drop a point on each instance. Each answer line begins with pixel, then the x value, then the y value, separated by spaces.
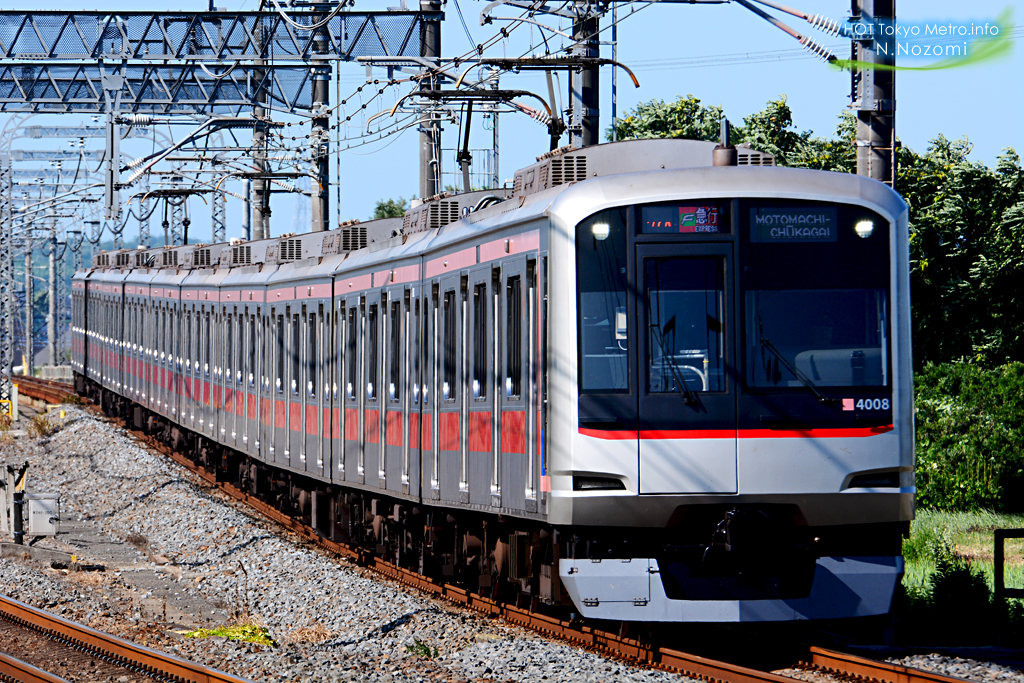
pixel 962 668
pixel 331 620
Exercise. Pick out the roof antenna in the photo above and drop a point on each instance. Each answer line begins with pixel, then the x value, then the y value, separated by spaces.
pixel 724 154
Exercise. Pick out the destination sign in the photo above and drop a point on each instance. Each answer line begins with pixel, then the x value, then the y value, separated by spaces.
pixel 797 224
pixel 690 219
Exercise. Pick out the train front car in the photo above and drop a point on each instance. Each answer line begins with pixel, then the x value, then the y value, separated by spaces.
pixel 731 432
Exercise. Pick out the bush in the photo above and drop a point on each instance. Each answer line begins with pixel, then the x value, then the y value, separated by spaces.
pixel 969 437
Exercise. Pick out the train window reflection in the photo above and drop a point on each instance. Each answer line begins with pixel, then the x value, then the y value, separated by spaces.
pixel 601 304
pixel 834 337
pixel 685 302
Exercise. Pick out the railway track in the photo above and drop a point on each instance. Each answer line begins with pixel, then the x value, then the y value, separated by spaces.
pixel 44 642
pixel 43 389
pixel 836 665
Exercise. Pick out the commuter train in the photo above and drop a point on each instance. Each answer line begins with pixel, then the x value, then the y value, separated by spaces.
pixel 654 380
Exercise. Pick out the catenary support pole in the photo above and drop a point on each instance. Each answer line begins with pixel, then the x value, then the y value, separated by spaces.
pixel 873 91
pixel 247 209
pixel 6 285
pixel 319 141
pixel 29 313
pixel 585 125
pixel 430 130
pixel 51 315
pixel 260 186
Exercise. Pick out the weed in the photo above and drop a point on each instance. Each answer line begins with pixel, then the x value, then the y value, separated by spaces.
pixel 246 631
pixel 420 649
pixel 315 632
pixel 72 399
pixel 42 427
pixel 5 422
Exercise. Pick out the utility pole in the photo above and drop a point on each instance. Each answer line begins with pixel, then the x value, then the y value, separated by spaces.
pixel 51 316
pixel 30 344
pixel 495 167
pixel 615 72
pixel 247 209
pixel 873 91
pixel 320 196
pixel 584 87
pixel 430 131
pixel 260 186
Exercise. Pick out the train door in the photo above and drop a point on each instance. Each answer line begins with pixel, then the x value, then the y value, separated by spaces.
pixel 254 379
pixel 312 391
pixel 429 453
pixel 396 354
pixel 687 403
pixel 373 453
pixel 511 476
pixel 352 392
pixel 453 473
pixel 481 457
pixel 296 386
pixel 279 436
pixel 188 387
pixel 261 407
pixel 414 394
pixel 337 379
pixel 206 421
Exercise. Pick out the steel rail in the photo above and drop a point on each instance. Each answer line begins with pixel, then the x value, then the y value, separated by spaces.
pixel 854 665
pixel 117 650
pixel 43 389
pixel 12 669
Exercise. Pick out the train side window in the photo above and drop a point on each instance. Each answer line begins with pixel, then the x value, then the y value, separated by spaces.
pixel 395 352
pixel 250 369
pixel 430 312
pixel 229 348
pixel 351 347
pixel 449 384
pixel 479 385
pixel 336 357
pixel 417 352
pixel 311 357
pixel 514 337
pixel 187 343
pixel 206 344
pixel 279 368
pixel 294 354
pixel 372 353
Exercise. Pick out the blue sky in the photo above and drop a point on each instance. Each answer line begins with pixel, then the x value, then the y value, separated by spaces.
pixel 722 54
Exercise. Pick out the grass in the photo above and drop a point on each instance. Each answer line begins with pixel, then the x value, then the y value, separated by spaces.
pixel 246 631
pixel 41 426
pixel 948 584
pixel 420 649
pixel 969 536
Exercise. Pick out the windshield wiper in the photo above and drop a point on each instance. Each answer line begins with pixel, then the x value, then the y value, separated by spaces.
pixel 804 379
pixel 688 396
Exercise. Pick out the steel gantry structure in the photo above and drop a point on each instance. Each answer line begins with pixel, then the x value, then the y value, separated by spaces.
pixel 139 63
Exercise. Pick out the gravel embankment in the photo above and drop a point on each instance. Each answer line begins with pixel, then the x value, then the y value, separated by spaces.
pixel 962 668
pixel 333 621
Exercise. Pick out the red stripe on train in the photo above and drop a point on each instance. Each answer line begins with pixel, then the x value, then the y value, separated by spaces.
pixel 654 434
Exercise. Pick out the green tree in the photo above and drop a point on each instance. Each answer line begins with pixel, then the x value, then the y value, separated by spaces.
pixel 684 118
pixel 390 208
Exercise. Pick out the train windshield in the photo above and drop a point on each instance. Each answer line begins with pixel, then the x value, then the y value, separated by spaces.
pixel 807 284
pixel 815 281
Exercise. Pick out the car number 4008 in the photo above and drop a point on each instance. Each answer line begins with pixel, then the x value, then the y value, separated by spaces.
pixel 873 404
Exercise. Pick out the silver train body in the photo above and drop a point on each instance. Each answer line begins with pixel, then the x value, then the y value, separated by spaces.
pixel 681 392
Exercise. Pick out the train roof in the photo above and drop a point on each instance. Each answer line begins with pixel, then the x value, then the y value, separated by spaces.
pixel 451 218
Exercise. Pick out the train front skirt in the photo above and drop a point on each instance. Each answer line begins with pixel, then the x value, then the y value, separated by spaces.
pixel 633 590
